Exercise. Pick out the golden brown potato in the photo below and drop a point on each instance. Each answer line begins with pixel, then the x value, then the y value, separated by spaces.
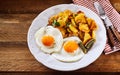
pixel 73 23
pixel 89 21
pixel 93 25
pixel 80 18
pixel 84 27
pixel 60 14
pixel 73 29
pixel 86 37
pixel 52 18
pixel 81 35
pixel 61 21
pixel 67 12
pixel 62 30
pixel 93 34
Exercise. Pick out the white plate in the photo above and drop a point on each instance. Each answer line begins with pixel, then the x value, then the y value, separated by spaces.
pixel 51 62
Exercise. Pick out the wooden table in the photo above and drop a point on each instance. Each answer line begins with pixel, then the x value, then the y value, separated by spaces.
pixel 15 19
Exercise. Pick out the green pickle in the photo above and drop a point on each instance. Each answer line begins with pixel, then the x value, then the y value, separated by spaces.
pixel 89 44
pixel 83 47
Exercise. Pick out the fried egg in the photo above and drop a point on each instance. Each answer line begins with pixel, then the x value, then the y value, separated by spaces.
pixel 49 39
pixel 70 51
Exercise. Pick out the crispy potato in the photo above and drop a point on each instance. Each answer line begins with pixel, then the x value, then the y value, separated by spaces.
pixel 73 23
pixel 60 14
pixel 93 26
pixel 84 27
pixel 51 19
pixel 86 37
pixel 81 35
pixel 73 29
pixel 80 18
pixel 93 34
pixel 62 30
pixel 89 21
pixel 61 22
pixel 67 12
pixel 69 31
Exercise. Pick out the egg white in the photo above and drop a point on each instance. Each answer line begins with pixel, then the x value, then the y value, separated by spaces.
pixel 69 57
pixel 55 33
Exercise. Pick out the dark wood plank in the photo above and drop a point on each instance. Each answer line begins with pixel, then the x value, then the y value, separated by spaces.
pixel 116 4
pixel 36 6
pixel 105 63
pixel 19 58
pixel 28 6
pixel 14 27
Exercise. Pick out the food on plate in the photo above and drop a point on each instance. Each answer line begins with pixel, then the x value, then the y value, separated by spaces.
pixel 70 51
pixel 68 35
pixel 49 39
pixel 75 24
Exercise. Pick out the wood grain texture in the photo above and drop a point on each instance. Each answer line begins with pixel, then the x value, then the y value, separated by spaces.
pixel 16 17
pixel 19 58
pixel 116 4
pixel 28 6
pixel 14 28
pixel 31 6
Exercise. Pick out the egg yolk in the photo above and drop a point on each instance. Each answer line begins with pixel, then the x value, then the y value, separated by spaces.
pixel 47 40
pixel 70 46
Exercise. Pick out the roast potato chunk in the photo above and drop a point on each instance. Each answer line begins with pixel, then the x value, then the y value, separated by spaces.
pixel 84 27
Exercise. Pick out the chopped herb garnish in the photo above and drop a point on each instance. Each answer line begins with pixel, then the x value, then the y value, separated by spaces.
pixel 55 23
